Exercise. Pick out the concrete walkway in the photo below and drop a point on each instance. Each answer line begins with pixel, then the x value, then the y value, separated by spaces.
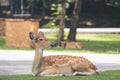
pixel 20 61
pixel 86 30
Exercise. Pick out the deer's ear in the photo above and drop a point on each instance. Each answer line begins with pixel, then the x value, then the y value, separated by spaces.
pixel 32 36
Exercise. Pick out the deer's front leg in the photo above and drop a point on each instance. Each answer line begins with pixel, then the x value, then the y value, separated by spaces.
pixel 51 72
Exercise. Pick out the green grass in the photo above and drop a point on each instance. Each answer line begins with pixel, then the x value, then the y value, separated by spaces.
pixel 101 43
pixel 95 43
pixel 106 75
pixel 2 42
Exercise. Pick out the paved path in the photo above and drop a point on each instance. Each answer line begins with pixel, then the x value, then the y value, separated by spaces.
pixel 20 61
pixel 87 30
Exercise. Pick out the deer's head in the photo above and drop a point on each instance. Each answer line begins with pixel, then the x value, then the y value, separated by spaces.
pixel 40 40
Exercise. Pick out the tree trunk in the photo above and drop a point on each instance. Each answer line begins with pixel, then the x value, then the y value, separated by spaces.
pixel 62 23
pixel 74 21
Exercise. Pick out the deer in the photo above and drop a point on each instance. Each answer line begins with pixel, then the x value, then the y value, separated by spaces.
pixel 57 65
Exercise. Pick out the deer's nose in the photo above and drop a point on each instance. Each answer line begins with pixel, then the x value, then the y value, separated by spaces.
pixel 52 45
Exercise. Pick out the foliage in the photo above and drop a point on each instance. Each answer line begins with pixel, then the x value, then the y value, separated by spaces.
pixel 114 2
pixel 106 75
pixel 56 8
pixel 50 24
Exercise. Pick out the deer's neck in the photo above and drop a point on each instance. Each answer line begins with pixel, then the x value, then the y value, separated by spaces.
pixel 37 61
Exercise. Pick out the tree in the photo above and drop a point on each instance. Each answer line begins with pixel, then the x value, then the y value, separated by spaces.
pixel 74 21
pixel 62 23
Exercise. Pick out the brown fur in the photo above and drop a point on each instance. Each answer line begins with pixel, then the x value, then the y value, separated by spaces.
pixel 73 45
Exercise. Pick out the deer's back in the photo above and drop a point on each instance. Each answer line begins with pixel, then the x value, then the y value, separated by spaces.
pixel 75 61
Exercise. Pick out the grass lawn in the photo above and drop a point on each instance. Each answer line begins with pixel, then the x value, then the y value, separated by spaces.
pixel 2 42
pixel 106 75
pixel 96 43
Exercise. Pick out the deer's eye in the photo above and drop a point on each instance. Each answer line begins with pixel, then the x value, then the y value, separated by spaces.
pixel 41 39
